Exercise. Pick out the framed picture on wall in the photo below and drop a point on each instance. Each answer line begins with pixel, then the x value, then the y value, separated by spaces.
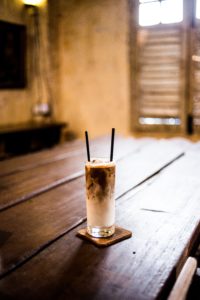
pixel 12 55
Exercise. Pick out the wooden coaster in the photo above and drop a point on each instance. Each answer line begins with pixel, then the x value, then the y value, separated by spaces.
pixel 119 235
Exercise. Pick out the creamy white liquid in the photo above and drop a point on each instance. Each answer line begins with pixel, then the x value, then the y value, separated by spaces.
pixel 100 182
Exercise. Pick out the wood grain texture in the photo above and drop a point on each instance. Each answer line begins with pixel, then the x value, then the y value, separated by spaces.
pixel 180 185
pixel 195 76
pixel 21 163
pixel 59 152
pixel 137 269
pixel 21 186
pixel 51 214
pixel 160 74
pixel 39 244
pixel 140 166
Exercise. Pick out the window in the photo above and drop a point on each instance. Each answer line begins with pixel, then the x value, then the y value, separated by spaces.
pixel 198 9
pixel 166 66
pixel 163 11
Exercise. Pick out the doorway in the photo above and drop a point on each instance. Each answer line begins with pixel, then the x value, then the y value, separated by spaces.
pixel 165 65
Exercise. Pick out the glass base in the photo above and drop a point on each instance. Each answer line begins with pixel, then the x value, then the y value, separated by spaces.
pixel 100 231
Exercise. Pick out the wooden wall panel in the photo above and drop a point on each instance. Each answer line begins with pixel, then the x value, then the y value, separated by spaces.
pixel 195 77
pixel 160 71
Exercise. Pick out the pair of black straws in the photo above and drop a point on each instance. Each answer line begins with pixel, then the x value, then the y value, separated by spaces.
pixel 111 148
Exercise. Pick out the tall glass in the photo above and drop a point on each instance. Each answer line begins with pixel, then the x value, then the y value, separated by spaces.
pixel 100 202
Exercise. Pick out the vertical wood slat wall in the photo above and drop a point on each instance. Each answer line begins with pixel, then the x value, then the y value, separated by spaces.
pixel 195 76
pixel 165 71
pixel 160 75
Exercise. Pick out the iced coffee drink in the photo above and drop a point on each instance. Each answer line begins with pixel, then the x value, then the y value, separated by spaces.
pixel 100 185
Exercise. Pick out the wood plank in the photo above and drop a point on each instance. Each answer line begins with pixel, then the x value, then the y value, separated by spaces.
pixel 148 34
pixel 59 152
pixel 161 47
pixel 160 112
pixel 138 268
pixel 164 88
pixel 180 184
pixel 161 105
pixel 159 75
pixel 42 219
pixel 175 40
pixel 156 33
pixel 160 68
pixel 21 186
pixel 170 60
pixel 174 81
pixel 160 93
pixel 29 161
pixel 155 102
pixel 158 98
pixel 166 57
pixel 168 53
pixel 146 163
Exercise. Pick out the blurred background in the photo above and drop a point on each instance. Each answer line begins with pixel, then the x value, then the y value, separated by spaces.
pixel 76 65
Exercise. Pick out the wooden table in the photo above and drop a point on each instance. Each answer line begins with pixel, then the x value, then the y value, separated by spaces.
pixel 42 206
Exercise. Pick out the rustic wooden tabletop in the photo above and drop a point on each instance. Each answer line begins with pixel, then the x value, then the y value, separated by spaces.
pixel 42 206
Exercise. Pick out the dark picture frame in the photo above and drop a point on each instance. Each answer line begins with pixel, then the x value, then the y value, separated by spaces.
pixel 12 55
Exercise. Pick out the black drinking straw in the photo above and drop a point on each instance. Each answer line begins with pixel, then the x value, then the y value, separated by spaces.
pixel 112 144
pixel 87 145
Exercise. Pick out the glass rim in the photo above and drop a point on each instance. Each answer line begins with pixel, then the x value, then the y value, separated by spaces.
pixel 105 160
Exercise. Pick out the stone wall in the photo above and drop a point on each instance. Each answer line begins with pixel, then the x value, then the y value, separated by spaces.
pixel 88 70
pixel 16 104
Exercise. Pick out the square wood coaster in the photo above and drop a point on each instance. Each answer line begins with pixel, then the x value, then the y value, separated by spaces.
pixel 119 235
